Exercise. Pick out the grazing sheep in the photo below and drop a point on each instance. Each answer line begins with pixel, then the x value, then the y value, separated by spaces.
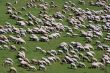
pixel 98 65
pixel 34 61
pixel 13 47
pixel 23 48
pixel 73 65
pixel 31 67
pixel 33 37
pixel 7 63
pixel 81 64
pixel 12 70
pixel 44 39
pixel 48 27
pixel 42 67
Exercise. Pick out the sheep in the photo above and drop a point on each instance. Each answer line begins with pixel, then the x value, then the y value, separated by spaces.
pixel 60 52
pixel 3 42
pixel 57 58
pixel 80 55
pixel 9 59
pixel 59 15
pixel 97 65
pixel 38 48
pixel 44 51
pixel 21 23
pixel 24 63
pixel 16 2
pixel 13 70
pixel 44 7
pixel 13 47
pixel 82 2
pixel 6 46
pixel 68 59
pixel 88 46
pixel 94 59
pixel 63 44
pixel 49 29
pixel 17 40
pixel 42 67
pixel 46 60
pixel 23 48
pixel 33 37
pixel 81 64
pixel 51 59
pixel 1 47
pixel 44 39
pixel 8 63
pixel 85 58
pixel 9 11
pixel 31 67
pixel 34 61
pixel 68 34
pixel 20 41
pixel 73 65
pixel 21 54
pixel 8 4
pixel 73 52
pixel 76 56
pixel 94 65
pixel 42 62
pixel 23 8
pixel 54 35
pixel 53 52
pixel 89 54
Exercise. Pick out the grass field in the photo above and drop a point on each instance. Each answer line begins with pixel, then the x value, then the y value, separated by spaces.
pixel 53 44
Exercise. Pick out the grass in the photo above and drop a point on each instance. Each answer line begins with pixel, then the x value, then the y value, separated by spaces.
pixel 53 44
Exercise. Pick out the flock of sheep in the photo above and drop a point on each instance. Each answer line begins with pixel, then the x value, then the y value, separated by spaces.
pixel 48 27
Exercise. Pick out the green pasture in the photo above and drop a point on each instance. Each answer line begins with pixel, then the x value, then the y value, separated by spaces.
pixel 31 53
